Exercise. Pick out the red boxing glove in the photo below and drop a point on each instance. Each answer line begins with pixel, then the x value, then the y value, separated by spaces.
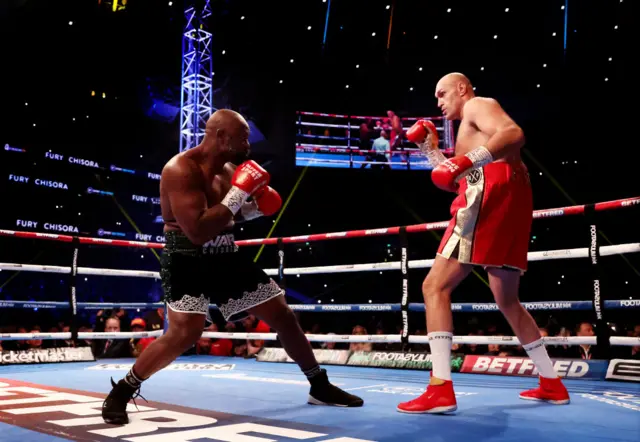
pixel 447 174
pixel 248 179
pixel 419 132
pixel 268 201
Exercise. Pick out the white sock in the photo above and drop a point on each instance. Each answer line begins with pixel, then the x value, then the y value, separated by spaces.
pixel 538 354
pixel 440 344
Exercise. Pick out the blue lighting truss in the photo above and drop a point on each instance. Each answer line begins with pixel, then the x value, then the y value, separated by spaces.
pixel 196 104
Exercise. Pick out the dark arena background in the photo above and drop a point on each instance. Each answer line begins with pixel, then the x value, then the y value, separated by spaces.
pixel 98 95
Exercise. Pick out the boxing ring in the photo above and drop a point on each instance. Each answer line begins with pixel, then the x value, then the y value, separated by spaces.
pixel 336 151
pixel 264 399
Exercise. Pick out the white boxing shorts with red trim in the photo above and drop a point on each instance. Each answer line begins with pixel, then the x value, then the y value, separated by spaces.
pixel 492 217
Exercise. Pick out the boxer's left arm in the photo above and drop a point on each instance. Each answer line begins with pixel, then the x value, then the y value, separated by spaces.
pixel 505 136
pixel 239 218
pixel 249 210
pixel 263 203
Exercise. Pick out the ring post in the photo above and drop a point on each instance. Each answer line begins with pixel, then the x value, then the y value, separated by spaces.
pixel 165 320
pixel 404 304
pixel 349 148
pixel 73 301
pixel 281 263
pixel 595 272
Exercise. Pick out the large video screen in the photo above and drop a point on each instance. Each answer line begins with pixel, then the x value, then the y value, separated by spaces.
pixel 363 142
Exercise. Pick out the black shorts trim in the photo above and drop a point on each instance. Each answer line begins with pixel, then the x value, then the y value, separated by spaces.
pixel 231 281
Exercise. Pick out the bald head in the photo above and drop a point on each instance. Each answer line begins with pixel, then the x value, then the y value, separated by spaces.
pixel 225 119
pixel 227 133
pixel 453 91
pixel 453 79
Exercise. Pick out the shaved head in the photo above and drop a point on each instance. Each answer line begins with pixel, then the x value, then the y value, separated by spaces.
pixel 453 91
pixel 454 79
pixel 225 119
pixel 227 133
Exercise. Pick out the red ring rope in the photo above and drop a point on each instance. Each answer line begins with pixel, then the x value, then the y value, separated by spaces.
pixel 547 213
pixel 360 117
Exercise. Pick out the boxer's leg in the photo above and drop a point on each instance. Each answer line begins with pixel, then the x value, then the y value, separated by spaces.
pixel 184 331
pixel 504 284
pixel 277 314
pixel 442 279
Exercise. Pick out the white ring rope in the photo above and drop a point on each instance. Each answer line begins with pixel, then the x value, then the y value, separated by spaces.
pixel 477 340
pixel 414 151
pixel 320 160
pixel 346 268
pixel 82 335
pixel 81 270
pixel 346 126
pixel 427 263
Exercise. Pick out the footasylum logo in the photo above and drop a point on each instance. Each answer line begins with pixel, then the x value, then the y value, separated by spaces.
pixel 77 415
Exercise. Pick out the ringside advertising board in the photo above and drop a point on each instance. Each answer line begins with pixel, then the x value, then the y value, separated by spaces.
pixel 518 366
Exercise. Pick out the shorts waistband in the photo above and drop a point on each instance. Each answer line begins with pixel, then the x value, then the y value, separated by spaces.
pixel 177 242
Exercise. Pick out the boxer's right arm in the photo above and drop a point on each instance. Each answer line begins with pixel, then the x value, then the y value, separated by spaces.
pixel 425 135
pixel 189 204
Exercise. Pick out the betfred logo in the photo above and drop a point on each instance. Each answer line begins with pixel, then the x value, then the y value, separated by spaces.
pixel 76 415
pixel 513 366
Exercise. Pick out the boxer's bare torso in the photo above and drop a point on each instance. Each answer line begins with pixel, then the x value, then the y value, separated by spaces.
pixel 470 136
pixel 214 185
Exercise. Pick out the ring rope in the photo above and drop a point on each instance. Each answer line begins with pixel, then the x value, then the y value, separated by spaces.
pixel 321 160
pixel 81 335
pixel 478 340
pixel 359 117
pixel 315 148
pixel 465 307
pixel 558 254
pixel 441 225
pixel 340 126
pixel 345 268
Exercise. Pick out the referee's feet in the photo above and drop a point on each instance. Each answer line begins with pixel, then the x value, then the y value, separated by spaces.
pixel 114 407
pixel 324 393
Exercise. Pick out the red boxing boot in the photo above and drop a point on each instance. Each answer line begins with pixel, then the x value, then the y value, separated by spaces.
pixel 551 390
pixel 438 399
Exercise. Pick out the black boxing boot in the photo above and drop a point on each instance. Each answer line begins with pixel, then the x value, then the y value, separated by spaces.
pixel 324 393
pixel 114 407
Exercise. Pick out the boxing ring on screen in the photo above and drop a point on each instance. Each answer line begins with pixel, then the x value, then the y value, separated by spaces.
pixel 338 141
